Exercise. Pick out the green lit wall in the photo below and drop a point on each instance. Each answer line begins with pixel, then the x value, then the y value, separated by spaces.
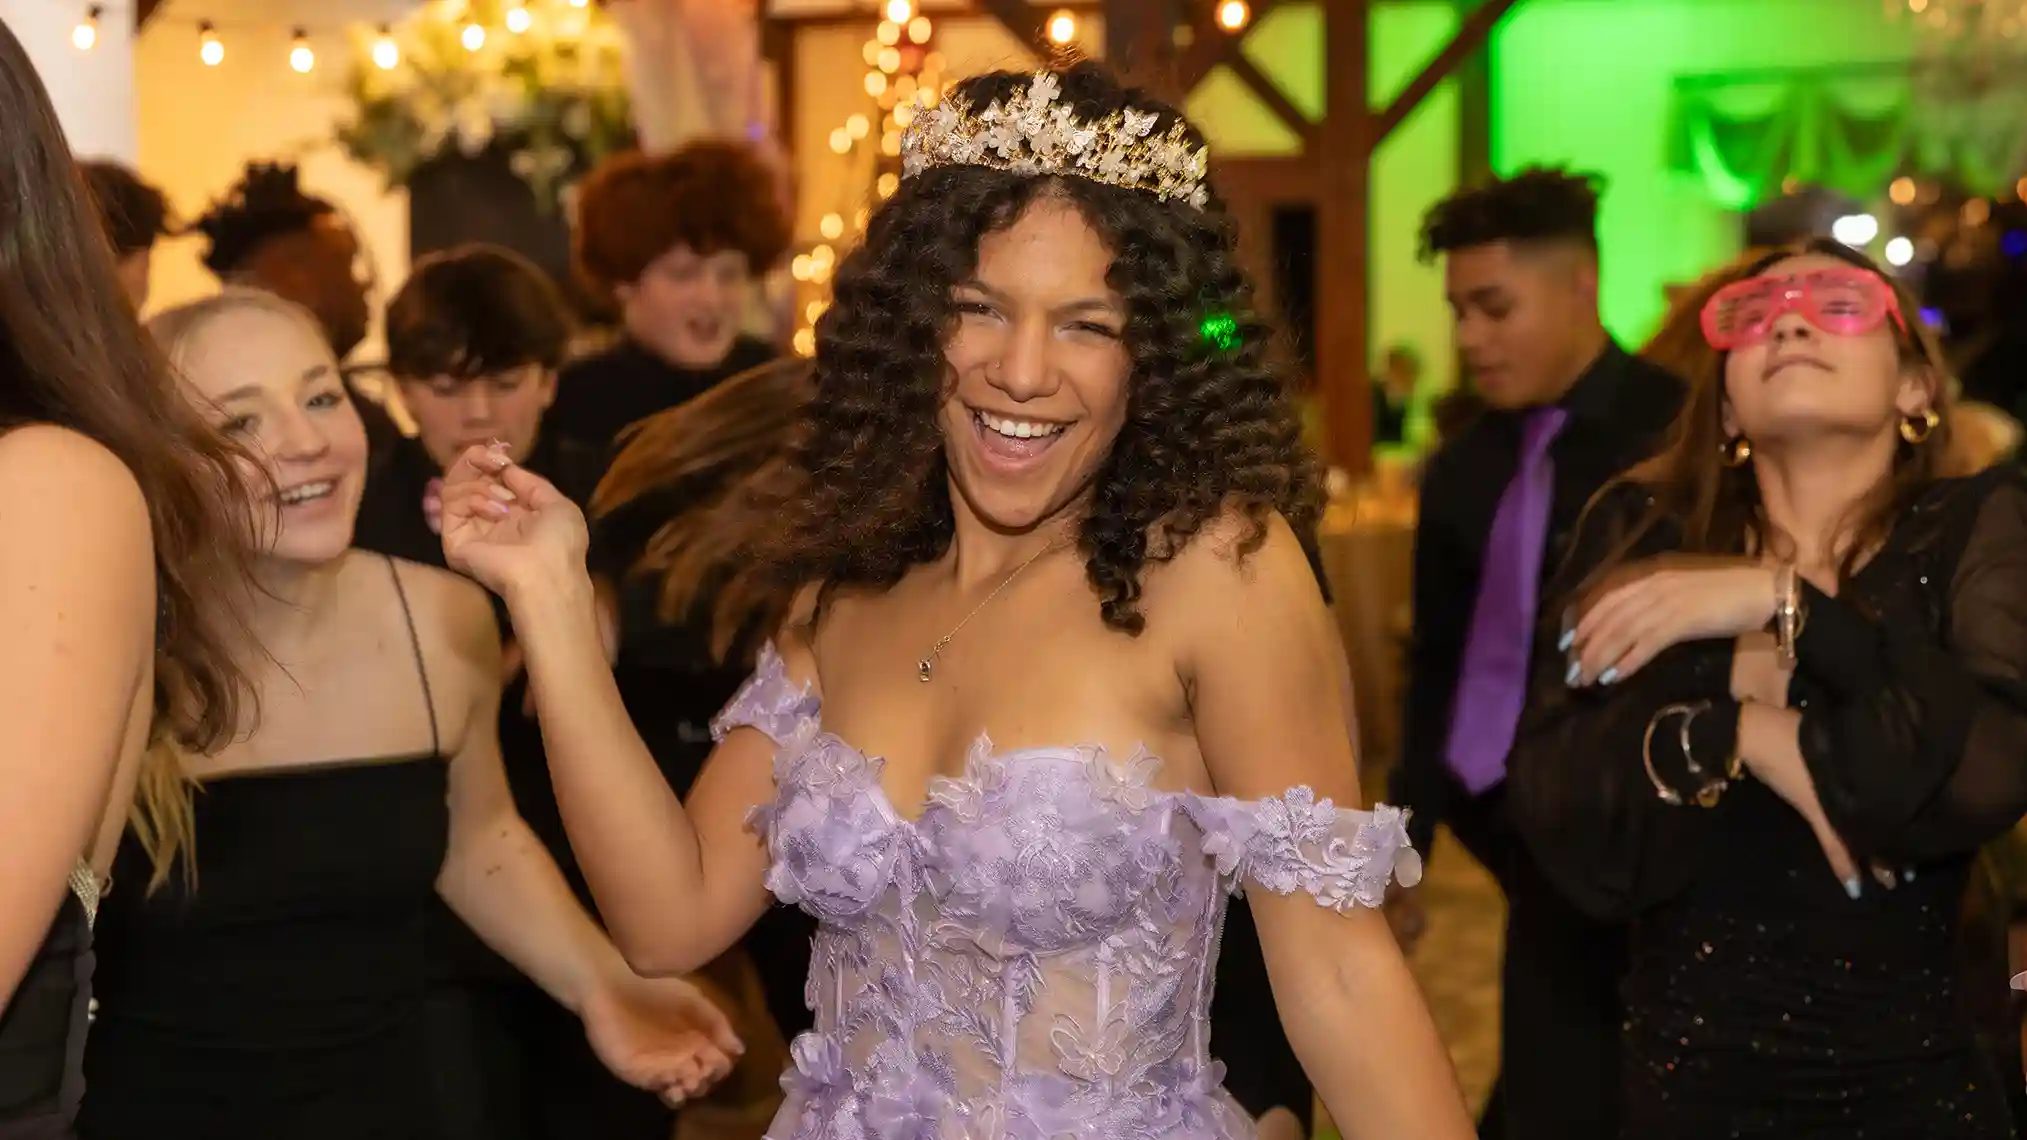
pixel 1416 165
pixel 1587 83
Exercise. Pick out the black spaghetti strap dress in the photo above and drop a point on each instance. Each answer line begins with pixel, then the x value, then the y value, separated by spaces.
pixel 281 994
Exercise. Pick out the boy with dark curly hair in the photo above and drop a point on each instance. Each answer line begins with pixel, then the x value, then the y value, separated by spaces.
pixel 1564 408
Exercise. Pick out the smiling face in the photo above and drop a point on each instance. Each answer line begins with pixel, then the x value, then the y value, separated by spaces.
pixel 1799 381
pixel 268 378
pixel 686 306
pixel 1040 370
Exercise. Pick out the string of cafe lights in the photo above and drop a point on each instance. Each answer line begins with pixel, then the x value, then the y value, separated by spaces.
pixel 302 57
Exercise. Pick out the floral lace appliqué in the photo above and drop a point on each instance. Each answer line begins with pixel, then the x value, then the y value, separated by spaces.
pixel 1029 959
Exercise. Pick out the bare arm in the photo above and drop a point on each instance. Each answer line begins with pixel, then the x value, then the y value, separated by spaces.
pixel 676 887
pixel 1269 693
pixel 77 619
pixel 497 875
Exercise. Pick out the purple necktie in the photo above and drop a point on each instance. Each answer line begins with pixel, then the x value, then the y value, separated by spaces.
pixel 1492 682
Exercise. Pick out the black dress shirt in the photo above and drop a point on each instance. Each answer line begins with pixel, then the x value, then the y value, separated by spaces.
pixel 601 395
pixel 1560 1008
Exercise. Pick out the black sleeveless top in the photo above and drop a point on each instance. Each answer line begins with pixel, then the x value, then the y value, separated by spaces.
pixel 42 1032
pixel 281 996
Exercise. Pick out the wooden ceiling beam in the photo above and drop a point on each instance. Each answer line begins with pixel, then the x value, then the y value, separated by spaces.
pixel 1471 36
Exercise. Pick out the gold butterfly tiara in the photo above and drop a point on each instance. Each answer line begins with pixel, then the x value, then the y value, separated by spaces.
pixel 1030 134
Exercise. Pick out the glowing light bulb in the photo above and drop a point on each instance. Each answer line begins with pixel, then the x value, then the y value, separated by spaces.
pixel 876 82
pixel 888 183
pixel 300 56
pixel 86 34
pixel 1062 27
pixel 208 48
pixel 857 126
pixel 805 342
pixel 518 20
pixel 473 37
pixel 832 227
pixel 919 29
pixel 890 60
pixel 841 140
pixel 1233 15
pixel 888 33
pixel 1901 191
pixel 900 11
pixel 1899 251
pixel 386 54
pixel 1855 229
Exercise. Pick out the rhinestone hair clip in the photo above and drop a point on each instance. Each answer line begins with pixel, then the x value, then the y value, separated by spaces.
pixel 1030 134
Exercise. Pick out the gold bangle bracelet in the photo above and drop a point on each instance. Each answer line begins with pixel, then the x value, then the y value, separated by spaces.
pixel 1704 796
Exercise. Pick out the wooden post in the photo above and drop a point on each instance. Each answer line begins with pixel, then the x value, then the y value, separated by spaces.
pixel 1140 43
pixel 1344 155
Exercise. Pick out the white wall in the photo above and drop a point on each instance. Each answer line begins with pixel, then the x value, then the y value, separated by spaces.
pixel 93 90
pixel 200 125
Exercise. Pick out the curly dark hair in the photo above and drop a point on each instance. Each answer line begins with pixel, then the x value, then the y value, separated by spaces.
pixel 267 202
pixel 711 195
pixel 1209 424
pixel 1539 204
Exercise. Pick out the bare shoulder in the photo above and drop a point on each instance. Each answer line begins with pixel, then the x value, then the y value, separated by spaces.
pixel 54 472
pixel 796 640
pixel 1236 583
pixel 1234 556
pixel 452 612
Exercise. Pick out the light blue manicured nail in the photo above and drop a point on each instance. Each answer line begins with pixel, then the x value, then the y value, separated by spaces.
pixel 1575 675
pixel 1608 676
pixel 1852 887
pixel 1568 638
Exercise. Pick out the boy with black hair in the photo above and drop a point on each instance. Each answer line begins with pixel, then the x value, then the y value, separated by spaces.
pixel 135 215
pixel 474 340
pixel 1565 409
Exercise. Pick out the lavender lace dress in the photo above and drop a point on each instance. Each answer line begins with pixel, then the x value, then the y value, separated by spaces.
pixel 1032 958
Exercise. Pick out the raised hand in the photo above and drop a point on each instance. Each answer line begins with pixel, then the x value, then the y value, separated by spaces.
pixel 506 526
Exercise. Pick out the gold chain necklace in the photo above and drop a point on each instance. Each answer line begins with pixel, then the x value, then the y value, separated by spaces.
pixel 927 665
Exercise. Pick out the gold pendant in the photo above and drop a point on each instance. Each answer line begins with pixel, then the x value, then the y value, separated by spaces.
pixel 923 668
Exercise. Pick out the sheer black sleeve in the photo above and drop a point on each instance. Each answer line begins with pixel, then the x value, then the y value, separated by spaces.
pixel 1918 744
pixel 1577 786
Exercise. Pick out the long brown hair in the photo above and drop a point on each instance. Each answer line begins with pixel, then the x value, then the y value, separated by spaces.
pixel 719 453
pixel 74 355
pixel 1717 505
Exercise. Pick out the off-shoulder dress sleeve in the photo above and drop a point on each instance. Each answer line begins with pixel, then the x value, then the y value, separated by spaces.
pixel 1918 740
pixel 769 701
pixel 1340 857
pixel 1577 785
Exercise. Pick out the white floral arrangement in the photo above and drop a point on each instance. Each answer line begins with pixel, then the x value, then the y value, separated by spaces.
pixel 541 82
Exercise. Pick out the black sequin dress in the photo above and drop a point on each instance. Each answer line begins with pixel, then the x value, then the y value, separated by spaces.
pixel 1762 1000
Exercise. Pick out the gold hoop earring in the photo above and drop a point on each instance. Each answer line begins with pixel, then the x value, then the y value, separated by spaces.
pixel 1735 451
pixel 1915 429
